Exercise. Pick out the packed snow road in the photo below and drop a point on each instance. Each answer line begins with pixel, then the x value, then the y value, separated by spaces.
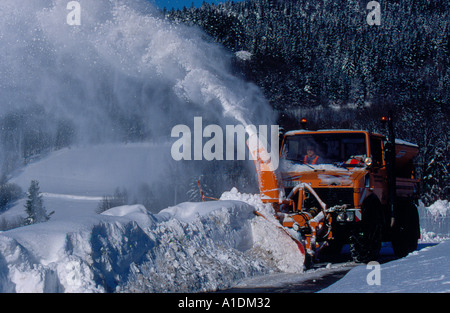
pixel 310 281
pixel 318 278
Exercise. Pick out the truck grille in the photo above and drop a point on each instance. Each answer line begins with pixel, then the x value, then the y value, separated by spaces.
pixel 335 196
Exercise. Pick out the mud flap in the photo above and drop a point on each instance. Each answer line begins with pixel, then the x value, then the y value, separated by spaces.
pixel 406 230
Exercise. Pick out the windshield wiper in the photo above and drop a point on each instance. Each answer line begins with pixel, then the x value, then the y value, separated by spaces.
pixel 341 165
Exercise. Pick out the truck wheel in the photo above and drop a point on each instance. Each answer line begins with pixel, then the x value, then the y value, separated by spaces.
pixel 365 240
pixel 406 230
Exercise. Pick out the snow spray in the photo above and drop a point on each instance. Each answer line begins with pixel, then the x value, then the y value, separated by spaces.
pixel 122 72
pixel 100 71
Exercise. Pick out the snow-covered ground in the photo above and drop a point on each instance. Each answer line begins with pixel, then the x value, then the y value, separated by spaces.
pixel 426 270
pixel 188 247
pixel 422 271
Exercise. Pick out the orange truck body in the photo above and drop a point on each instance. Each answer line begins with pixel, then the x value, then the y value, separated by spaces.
pixel 339 191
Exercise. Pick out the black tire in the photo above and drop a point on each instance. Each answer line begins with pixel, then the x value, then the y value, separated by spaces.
pixel 334 248
pixel 308 262
pixel 406 229
pixel 365 240
pixel 332 252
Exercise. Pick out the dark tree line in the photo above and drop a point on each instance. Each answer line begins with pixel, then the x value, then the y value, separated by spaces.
pixel 28 132
pixel 321 59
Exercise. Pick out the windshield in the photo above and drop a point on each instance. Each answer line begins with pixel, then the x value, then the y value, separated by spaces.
pixel 326 148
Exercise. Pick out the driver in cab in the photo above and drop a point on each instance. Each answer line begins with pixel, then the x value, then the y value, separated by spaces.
pixel 311 157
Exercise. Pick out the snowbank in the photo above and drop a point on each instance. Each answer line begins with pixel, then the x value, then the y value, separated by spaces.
pixel 435 221
pixel 422 271
pixel 268 238
pixel 244 55
pixel 186 248
pixel 439 209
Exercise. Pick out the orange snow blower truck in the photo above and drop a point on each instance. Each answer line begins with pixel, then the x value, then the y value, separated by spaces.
pixel 354 187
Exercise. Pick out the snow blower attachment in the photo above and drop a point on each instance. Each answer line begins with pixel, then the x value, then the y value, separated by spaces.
pixel 307 214
pixel 308 222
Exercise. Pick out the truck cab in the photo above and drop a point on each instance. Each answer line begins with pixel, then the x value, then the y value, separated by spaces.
pixel 346 174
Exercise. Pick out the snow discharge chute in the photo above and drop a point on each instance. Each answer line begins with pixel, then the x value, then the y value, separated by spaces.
pixel 270 185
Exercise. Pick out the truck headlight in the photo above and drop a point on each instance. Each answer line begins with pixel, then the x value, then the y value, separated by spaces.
pixel 368 161
pixel 350 216
pixel 340 217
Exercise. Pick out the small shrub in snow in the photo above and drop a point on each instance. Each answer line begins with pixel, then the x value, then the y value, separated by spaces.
pixel 119 198
pixel 34 207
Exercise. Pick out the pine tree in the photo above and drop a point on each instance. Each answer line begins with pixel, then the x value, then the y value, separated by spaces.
pixel 34 207
pixel 437 177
